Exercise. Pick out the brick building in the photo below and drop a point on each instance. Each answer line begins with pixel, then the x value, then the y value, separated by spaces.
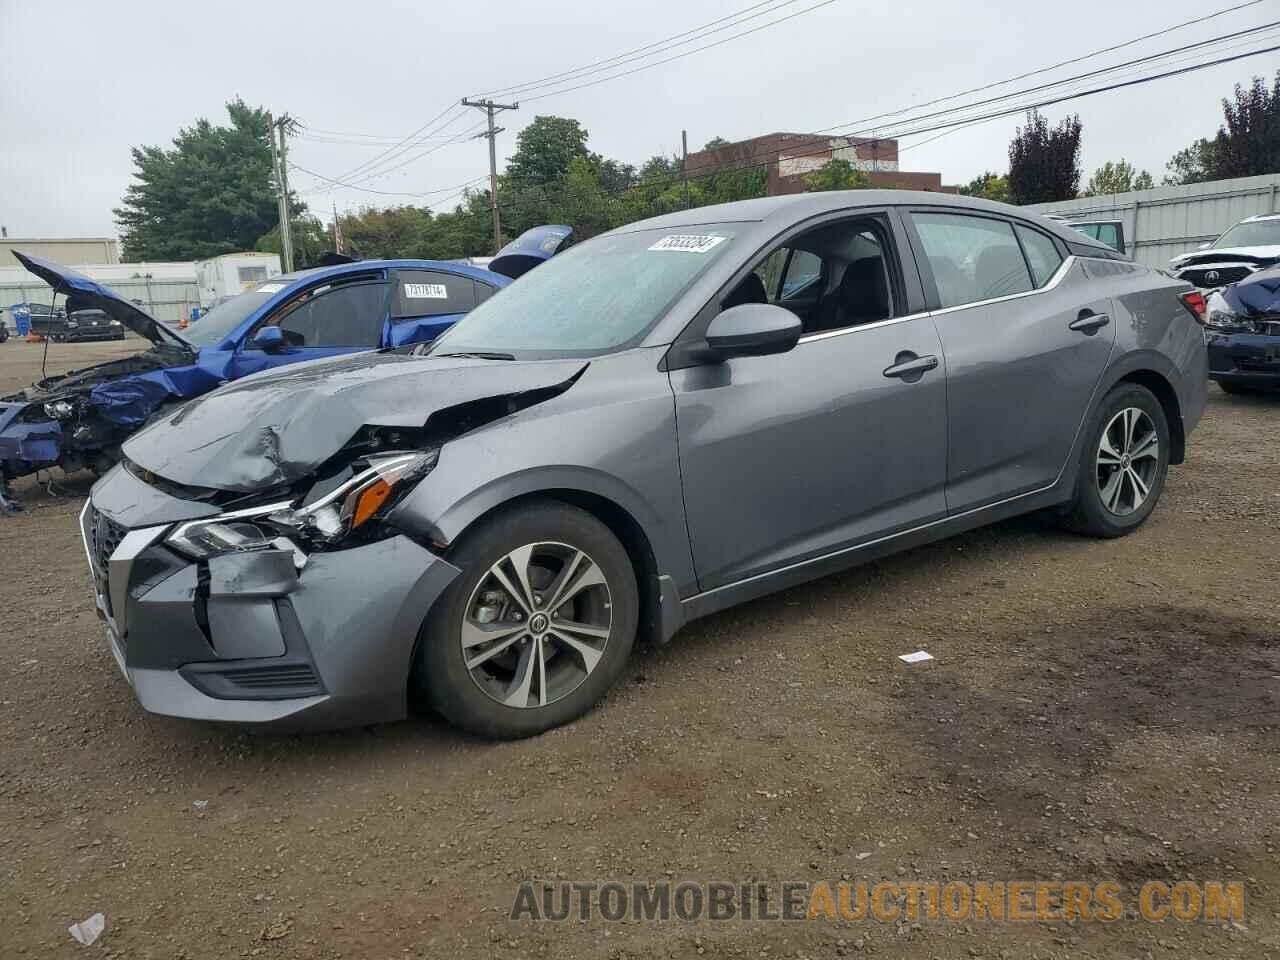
pixel 792 156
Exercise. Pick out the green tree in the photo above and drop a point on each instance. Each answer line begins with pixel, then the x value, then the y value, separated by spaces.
pixel 836 175
pixel 988 186
pixel 212 193
pixel 1247 143
pixel 544 150
pixel 311 240
pixel 1117 177
pixel 1193 164
pixel 1044 162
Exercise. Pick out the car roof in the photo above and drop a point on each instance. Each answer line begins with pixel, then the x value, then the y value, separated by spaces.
pixel 362 266
pixel 1261 216
pixel 796 207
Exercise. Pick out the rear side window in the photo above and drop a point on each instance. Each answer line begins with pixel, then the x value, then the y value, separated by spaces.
pixel 432 293
pixel 971 258
pixel 1042 254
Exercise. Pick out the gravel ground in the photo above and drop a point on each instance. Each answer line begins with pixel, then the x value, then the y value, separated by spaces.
pixel 1097 711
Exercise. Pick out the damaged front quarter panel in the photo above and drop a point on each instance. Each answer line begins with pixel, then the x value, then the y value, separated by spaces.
pixel 278 428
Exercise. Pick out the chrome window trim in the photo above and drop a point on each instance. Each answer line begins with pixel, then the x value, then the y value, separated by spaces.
pixel 1058 276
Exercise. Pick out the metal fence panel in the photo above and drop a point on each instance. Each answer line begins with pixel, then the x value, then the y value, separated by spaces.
pixel 1166 221
pixel 167 300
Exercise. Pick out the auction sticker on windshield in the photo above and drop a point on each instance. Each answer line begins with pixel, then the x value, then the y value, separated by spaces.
pixel 688 243
pixel 426 291
pixel 271 288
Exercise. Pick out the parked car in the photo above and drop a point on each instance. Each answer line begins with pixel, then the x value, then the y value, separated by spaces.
pixel 1243 333
pixel 1249 246
pixel 46 320
pixel 4 330
pixel 639 433
pixel 78 419
pixel 90 324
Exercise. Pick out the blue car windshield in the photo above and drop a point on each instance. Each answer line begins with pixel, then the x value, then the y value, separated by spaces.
pixel 600 296
pixel 214 326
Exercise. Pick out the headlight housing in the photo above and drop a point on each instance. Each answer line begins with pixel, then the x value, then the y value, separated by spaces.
pixel 1220 316
pixel 327 521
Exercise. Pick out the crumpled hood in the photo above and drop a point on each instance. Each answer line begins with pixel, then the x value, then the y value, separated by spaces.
pixel 1267 254
pixel 277 427
pixel 1257 294
pixel 90 293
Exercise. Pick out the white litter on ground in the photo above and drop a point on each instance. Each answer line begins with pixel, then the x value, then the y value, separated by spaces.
pixel 87 931
pixel 917 657
pixel 199 804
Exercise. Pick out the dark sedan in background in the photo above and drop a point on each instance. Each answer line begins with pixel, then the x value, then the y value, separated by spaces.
pixel 1242 332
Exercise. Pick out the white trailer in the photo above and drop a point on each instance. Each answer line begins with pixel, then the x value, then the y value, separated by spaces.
pixel 233 273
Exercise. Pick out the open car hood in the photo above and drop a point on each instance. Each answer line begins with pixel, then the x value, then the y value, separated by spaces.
pixel 531 248
pixel 84 293
pixel 277 427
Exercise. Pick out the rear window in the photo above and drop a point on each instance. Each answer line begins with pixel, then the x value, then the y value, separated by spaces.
pixel 972 258
pixel 432 293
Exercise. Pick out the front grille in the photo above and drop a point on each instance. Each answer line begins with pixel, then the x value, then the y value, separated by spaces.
pixel 285 675
pixel 104 537
pixel 1200 276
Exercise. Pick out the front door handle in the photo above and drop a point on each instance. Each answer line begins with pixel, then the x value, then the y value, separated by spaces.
pixel 1089 322
pixel 909 367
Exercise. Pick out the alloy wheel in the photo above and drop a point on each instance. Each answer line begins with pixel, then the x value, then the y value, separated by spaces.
pixel 536 625
pixel 1128 461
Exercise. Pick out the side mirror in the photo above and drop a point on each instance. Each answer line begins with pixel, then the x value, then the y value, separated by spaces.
pixel 269 340
pixel 753 330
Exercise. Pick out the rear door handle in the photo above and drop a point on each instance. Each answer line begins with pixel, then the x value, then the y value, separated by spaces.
pixel 1089 323
pixel 909 367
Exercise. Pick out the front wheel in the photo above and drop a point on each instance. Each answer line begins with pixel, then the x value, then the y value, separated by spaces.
pixel 1123 464
pixel 535 629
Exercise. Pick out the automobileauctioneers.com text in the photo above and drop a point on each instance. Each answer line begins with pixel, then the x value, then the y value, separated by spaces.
pixel 884 901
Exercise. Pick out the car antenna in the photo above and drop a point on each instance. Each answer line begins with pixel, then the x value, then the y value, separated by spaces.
pixel 48 333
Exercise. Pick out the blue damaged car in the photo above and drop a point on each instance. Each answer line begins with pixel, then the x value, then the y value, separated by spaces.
pixel 78 420
pixel 1242 333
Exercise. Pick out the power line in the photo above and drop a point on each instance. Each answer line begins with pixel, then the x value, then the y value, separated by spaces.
pixel 662 46
pixel 390 193
pixel 969 121
pixel 681 56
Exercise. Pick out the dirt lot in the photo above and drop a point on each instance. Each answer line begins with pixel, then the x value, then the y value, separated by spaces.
pixel 1097 711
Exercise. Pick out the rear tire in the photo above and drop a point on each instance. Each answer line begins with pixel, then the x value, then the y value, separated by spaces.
pixel 1123 464
pixel 537 627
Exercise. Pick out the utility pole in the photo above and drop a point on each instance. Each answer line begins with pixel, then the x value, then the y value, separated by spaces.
pixel 684 165
pixel 490 108
pixel 280 159
pixel 337 230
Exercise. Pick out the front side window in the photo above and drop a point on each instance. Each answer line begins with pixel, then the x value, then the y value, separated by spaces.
pixel 971 258
pixel 599 296
pixel 350 315
pixel 1042 254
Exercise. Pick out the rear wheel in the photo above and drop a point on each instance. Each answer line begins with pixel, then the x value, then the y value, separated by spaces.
pixel 535 629
pixel 1123 464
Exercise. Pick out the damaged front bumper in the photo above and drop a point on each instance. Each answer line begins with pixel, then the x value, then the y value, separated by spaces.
pixel 247 637
pixel 26 445
pixel 1244 359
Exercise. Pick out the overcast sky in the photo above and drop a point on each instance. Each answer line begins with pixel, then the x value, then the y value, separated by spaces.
pixel 84 81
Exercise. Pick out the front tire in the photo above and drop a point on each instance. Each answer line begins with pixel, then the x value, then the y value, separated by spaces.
pixel 535 629
pixel 1123 464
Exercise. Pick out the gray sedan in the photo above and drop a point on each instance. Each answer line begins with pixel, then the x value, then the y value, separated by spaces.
pixel 669 419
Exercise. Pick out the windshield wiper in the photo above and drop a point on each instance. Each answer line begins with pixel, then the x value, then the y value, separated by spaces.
pixel 477 355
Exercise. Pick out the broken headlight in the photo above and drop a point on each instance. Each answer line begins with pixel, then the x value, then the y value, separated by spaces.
pixel 357 501
pixel 1220 316
pixel 328 520
pixel 59 409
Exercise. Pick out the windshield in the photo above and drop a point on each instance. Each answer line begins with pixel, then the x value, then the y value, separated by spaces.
pixel 214 326
pixel 600 296
pixel 1255 233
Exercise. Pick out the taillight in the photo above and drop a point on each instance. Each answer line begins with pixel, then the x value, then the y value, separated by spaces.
pixel 1196 305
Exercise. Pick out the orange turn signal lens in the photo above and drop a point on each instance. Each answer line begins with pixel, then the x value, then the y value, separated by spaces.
pixel 369 500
